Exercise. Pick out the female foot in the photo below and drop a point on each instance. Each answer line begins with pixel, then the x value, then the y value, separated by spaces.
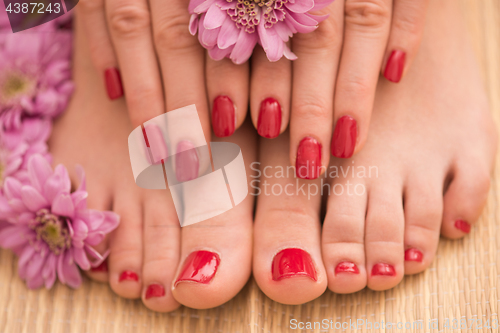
pixel 424 171
pixel 151 256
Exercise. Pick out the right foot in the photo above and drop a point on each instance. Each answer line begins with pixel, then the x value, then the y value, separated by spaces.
pixel 149 250
pixel 433 143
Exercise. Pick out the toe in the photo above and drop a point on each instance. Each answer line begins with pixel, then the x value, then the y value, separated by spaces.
pixel 287 264
pixel 384 234
pixel 161 251
pixel 343 237
pixel 464 200
pixel 125 258
pixel 216 254
pixel 423 209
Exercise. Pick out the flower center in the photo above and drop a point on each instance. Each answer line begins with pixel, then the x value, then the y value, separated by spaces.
pixel 53 230
pixel 248 13
pixel 15 85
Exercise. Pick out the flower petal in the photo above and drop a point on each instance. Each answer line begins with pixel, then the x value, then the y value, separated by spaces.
pixel 244 47
pixel 228 34
pixel 33 199
pixel 81 258
pixel 214 18
pixel 68 271
pixel 14 236
pixel 300 6
pixel 63 205
pixel 39 171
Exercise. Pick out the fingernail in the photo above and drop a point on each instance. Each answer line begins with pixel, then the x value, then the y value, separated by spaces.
pixel 154 290
pixel 344 137
pixel 223 116
pixel 103 267
pixel 413 255
pixel 113 83
pixel 186 161
pixel 383 269
pixel 462 225
pixel 128 276
pixel 292 262
pixel 269 123
pixel 395 66
pixel 346 267
pixel 200 266
pixel 155 140
pixel 308 162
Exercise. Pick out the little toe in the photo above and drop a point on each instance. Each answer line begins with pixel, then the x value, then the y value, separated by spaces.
pixel 161 251
pixel 125 258
pixel 384 236
pixel 464 199
pixel 423 209
pixel 343 237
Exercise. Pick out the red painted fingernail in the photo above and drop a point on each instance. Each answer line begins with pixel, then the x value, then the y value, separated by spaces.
pixel 103 267
pixel 346 267
pixel 128 276
pixel 113 83
pixel 344 137
pixel 200 266
pixel 155 140
pixel 383 269
pixel 223 116
pixel 186 161
pixel 292 262
pixel 413 255
pixel 269 123
pixel 154 290
pixel 395 66
pixel 308 162
pixel 462 225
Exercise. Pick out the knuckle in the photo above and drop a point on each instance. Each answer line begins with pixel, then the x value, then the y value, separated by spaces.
pixel 91 5
pixel 367 13
pixel 353 86
pixel 408 24
pixel 129 20
pixel 327 37
pixel 173 34
pixel 143 97
pixel 311 108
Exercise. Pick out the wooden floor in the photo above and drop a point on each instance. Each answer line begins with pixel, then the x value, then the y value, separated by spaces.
pixel 462 282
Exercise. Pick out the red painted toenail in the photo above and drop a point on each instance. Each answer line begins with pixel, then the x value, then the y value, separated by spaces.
pixel 413 255
pixel 223 116
pixel 344 137
pixel 154 139
pixel 154 290
pixel 200 266
pixel 187 164
pixel 395 66
pixel 346 267
pixel 128 276
pixel 292 262
pixel 113 80
pixel 103 267
pixel 269 122
pixel 308 162
pixel 383 269
pixel 462 225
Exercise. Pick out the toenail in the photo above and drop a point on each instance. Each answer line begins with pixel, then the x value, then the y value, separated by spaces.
pixel 462 225
pixel 128 276
pixel 154 290
pixel 187 164
pixel 269 122
pixel 200 266
pixel 292 262
pixel 344 137
pixel 346 267
pixel 308 162
pixel 102 268
pixel 223 116
pixel 113 81
pixel 413 255
pixel 383 269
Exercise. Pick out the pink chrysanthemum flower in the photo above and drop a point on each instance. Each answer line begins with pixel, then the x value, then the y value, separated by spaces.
pixel 34 75
pixel 232 28
pixel 18 145
pixel 50 228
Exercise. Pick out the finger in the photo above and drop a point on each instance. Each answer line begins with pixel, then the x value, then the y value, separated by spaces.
pixel 408 21
pixel 270 94
pixel 101 50
pixel 227 87
pixel 129 25
pixel 367 26
pixel 313 82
